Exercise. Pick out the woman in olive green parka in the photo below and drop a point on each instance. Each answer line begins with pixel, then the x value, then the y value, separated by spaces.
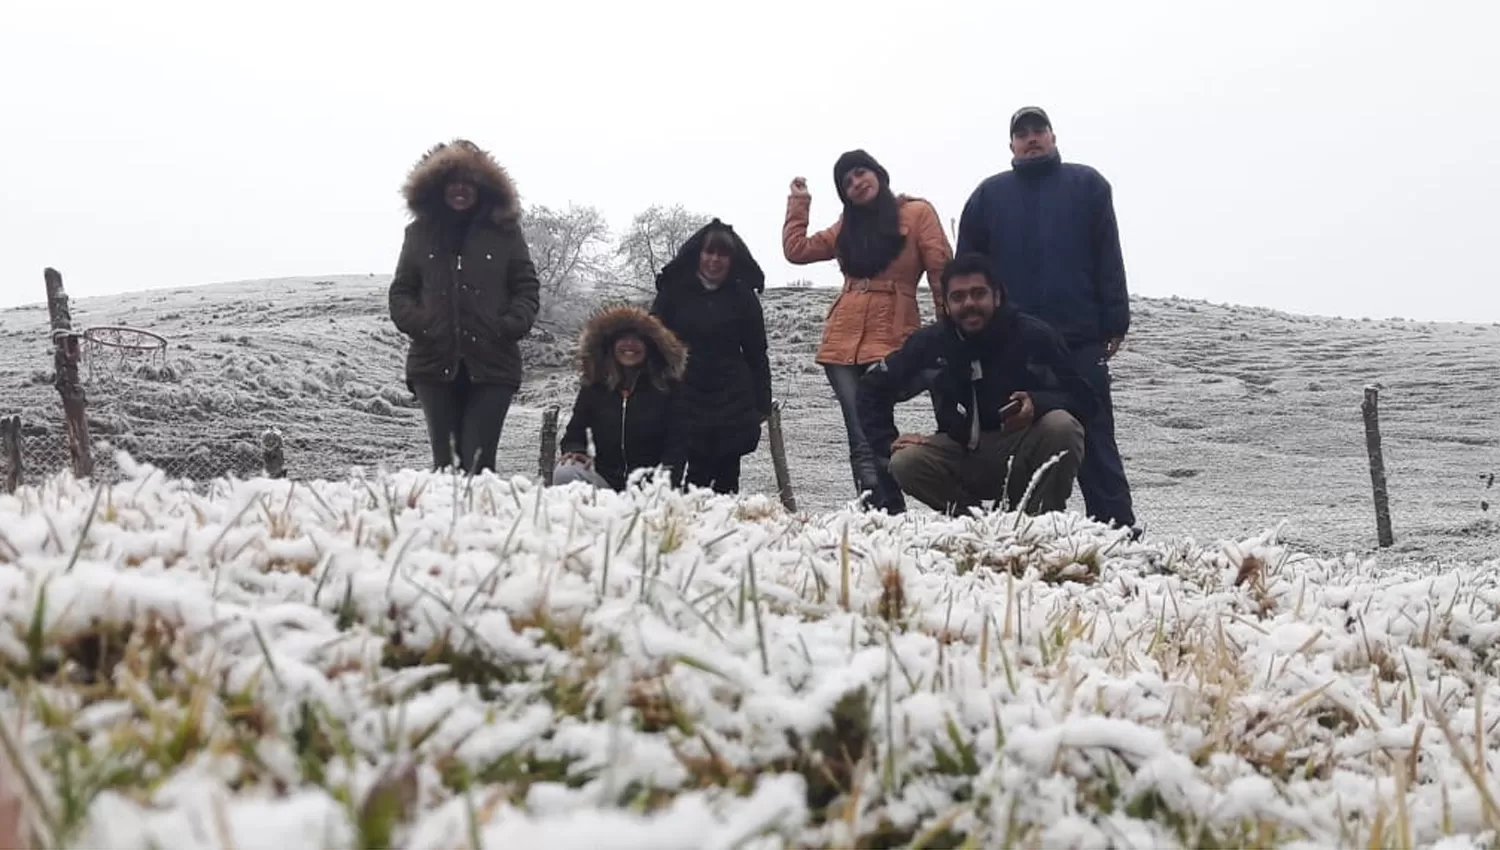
pixel 465 292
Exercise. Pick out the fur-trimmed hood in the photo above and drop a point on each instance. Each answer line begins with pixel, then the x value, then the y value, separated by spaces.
pixel 666 356
pixel 744 272
pixel 461 159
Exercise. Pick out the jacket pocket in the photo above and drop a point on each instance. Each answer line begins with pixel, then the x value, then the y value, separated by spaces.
pixel 828 322
pixel 494 330
pixel 489 301
pixel 875 325
pixel 426 319
pixel 432 316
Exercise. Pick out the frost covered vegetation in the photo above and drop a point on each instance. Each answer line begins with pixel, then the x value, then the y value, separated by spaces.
pixel 422 661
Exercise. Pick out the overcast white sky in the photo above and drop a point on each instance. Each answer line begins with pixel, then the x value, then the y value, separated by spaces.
pixel 1334 157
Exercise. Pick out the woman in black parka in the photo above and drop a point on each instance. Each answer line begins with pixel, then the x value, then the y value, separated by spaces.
pixel 630 366
pixel 708 296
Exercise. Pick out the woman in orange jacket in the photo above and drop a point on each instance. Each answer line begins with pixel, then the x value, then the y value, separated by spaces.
pixel 883 245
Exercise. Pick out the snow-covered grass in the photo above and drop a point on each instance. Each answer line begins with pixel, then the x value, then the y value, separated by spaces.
pixel 424 661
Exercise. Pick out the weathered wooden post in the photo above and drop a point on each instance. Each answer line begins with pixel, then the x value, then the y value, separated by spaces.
pixel 10 445
pixel 1371 411
pixel 65 356
pixel 272 456
pixel 547 460
pixel 778 457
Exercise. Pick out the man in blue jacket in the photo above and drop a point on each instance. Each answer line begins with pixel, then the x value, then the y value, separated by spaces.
pixel 1049 229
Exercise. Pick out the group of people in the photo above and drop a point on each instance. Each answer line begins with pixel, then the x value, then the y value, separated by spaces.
pixel 1029 309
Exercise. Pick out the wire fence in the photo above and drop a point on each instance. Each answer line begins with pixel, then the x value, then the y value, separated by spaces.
pixel 36 448
pixel 1198 488
pixel 1205 496
pixel 44 456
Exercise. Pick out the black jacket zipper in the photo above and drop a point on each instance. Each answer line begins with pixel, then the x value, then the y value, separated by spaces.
pixel 624 412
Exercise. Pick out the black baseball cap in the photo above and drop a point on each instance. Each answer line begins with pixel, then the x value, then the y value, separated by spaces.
pixel 1034 112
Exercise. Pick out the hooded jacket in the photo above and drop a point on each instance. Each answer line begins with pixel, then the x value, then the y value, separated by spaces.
pixel 975 376
pixel 630 420
pixel 726 388
pixel 465 289
pixel 1049 229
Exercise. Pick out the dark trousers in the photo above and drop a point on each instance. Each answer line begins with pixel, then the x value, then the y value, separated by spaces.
pixel 465 417
pixel 718 473
pixel 1101 478
pixel 868 474
pixel 947 477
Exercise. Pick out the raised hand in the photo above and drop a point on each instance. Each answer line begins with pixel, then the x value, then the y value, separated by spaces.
pixel 799 187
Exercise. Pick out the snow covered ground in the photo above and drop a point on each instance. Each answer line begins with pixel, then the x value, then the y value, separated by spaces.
pixel 379 658
pixel 421 661
pixel 1231 419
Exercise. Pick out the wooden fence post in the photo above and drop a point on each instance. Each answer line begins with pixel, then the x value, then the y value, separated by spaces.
pixel 10 443
pixel 272 457
pixel 547 460
pixel 65 356
pixel 778 458
pixel 1371 411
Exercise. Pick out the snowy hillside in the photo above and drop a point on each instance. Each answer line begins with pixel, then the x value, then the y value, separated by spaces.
pixel 1231 419
pixel 425 662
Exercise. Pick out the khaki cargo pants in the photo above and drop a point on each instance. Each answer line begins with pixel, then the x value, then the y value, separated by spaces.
pixel 946 477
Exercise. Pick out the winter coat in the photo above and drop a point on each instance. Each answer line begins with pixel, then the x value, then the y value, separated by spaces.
pixel 463 295
pixel 725 392
pixel 1014 353
pixel 630 420
pixel 872 317
pixel 1049 230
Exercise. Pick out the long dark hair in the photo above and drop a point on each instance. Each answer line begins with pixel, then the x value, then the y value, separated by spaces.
pixel 870 237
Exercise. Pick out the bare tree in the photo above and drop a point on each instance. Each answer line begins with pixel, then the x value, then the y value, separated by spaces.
pixel 570 249
pixel 652 239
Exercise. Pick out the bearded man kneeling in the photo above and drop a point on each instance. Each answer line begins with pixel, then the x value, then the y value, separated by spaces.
pixel 1009 400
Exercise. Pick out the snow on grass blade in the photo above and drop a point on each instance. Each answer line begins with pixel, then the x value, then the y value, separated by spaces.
pixel 424 662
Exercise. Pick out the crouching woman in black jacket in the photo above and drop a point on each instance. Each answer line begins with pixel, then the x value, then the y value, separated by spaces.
pixel 630 365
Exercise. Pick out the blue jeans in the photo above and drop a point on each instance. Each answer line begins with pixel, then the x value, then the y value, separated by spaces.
pixel 869 475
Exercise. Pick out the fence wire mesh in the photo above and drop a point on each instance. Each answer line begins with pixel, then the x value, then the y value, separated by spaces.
pixel 204 453
pixel 1200 490
pixel 46 455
